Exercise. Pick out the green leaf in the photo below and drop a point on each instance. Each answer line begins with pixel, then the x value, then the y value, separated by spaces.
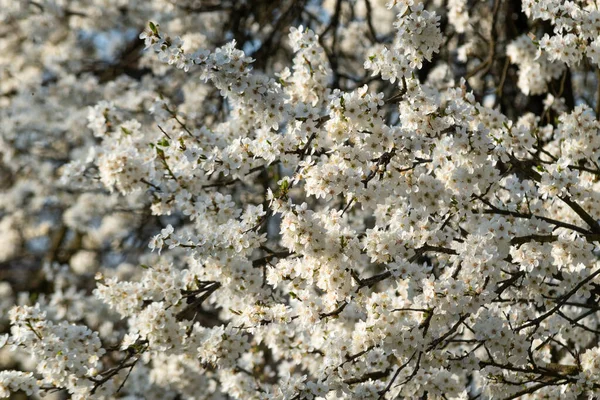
pixel 153 28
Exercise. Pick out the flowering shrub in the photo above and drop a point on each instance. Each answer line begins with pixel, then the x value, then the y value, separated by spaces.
pixel 360 199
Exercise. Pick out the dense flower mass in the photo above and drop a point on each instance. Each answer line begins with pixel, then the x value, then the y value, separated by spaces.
pixel 338 199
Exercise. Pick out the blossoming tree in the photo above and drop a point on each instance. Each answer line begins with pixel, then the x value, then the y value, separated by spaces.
pixel 347 199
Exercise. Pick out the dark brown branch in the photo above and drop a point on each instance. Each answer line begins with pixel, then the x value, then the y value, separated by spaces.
pixel 561 301
pixel 391 382
pixel 207 291
pixel 335 312
pixel 437 341
pixel 371 375
pixel 593 224
pixel 532 389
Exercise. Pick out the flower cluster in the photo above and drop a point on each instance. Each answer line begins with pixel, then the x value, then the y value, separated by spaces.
pixel 66 355
pixel 248 209
pixel 418 37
